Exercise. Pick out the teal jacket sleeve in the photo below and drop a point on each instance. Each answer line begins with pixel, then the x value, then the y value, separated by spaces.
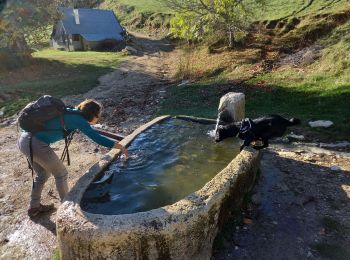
pixel 82 125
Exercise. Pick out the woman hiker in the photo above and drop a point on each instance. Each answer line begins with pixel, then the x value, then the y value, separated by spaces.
pixel 44 159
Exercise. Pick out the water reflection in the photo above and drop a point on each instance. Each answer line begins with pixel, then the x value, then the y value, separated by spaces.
pixel 167 162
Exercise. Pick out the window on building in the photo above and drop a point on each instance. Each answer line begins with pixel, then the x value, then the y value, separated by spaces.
pixel 75 37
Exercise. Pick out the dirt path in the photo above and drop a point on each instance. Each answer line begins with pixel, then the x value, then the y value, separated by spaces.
pixel 130 96
pixel 130 93
pixel 300 208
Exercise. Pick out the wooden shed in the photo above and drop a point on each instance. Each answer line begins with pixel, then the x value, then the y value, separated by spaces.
pixel 88 29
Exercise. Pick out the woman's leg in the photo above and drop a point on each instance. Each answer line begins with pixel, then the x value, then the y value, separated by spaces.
pixel 49 160
pixel 45 160
pixel 38 184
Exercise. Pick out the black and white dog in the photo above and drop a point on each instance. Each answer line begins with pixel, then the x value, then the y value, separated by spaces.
pixel 262 128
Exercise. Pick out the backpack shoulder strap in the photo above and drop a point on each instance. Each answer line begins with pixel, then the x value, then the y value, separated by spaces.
pixel 67 140
pixel 68 136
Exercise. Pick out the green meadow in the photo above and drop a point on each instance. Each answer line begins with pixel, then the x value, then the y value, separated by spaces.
pixel 316 91
pixel 58 73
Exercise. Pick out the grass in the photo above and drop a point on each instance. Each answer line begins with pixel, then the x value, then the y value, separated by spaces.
pixel 56 255
pixel 277 9
pixel 197 100
pixel 290 93
pixel 333 225
pixel 97 59
pixel 56 73
pixel 310 92
pixel 332 251
pixel 151 16
pixel 273 9
pixel 153 6
pixel 309 97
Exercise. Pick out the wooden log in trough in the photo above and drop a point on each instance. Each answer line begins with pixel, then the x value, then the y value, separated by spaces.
pixel 111 135
pixel 201 120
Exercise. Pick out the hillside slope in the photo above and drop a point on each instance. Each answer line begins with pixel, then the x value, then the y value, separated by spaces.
pixel 151 16
pixel 297 66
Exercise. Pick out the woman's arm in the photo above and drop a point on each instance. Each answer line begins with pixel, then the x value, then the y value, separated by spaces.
pixel 80 123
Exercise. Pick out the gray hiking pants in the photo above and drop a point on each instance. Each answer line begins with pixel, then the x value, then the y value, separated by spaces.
pixel 45 162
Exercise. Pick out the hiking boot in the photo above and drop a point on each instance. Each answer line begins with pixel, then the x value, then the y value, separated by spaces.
pixel 32 212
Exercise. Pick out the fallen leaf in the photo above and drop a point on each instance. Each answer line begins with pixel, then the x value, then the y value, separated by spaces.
pixel 247 221
pixel 322 231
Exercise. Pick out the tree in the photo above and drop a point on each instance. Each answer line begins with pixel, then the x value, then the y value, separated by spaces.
pixel 26 22
pixel 196 18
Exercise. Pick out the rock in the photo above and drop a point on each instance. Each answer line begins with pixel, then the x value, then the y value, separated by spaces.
pixel 7 122
pixel 2 111
pixel 231 107
pixel 335 145
pixel 3 241
pixel 131 50
pixel 294 137
pixel 309 158
pixel 335 168
pixel 256 199
pixel 309 57
pixel 305 56
pixel 299 152
pixel 184 83
pixel 321 123
pixel 283 139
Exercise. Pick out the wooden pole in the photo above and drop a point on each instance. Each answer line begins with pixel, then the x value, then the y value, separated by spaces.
pixel 111 135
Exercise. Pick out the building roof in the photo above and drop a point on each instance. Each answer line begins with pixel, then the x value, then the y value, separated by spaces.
pixel 94 24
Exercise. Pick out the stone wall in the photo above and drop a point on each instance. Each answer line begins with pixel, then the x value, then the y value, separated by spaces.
pixel 183 230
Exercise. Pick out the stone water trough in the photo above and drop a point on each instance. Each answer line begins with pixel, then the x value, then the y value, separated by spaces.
pixel 185 229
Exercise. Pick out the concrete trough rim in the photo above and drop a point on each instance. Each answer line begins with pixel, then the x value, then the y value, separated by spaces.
pixel 71 217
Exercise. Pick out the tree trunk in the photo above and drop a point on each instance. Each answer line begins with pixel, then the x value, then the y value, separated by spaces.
pixel 230 38
pixel 18 44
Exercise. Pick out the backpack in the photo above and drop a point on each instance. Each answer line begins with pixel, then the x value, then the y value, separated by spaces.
pixel 33 117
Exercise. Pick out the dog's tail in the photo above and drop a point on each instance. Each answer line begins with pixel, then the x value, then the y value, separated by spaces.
pixel 294 121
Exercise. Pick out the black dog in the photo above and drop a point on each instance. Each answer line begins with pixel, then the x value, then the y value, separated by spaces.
pixel 262 128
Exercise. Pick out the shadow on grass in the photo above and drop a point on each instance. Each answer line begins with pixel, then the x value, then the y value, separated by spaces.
pixel 46 77
pixel 202 100
pixel 43 76
pixel 20 86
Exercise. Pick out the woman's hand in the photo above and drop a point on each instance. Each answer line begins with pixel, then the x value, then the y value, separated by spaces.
pixel 123 149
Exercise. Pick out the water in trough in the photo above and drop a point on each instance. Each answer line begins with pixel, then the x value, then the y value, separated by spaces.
pixel 167 162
